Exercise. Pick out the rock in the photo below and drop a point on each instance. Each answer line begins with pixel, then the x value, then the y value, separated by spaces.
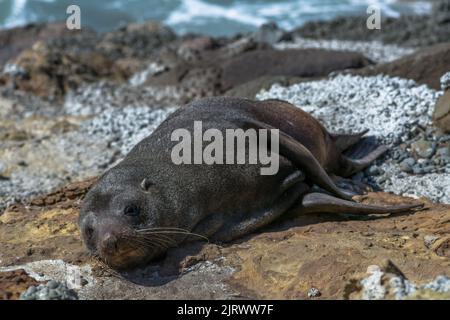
pixel 293 63
pixel 137 40
pixel 270 33
pixel 313 293
pixel 424 148
pixel 13 283
pixel 52 290
pixel 425 66
pixel 214 72
pixel 52 67
pixel 374 171
pixel 429 240
pixel 15 40
pixel 284 261
pixel 407 165
pixel 388 282
pixel 441 115
pixel 407 30
pixel 250 89
pixel 50 73
pixel 444 152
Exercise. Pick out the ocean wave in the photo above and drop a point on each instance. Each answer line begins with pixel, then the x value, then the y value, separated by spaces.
pixel 191 9
pixel 211 17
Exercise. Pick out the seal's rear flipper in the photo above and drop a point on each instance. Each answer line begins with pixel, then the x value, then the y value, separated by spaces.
pixel 320 202
pixel 345 141
pixel 348 166
pixel 299 155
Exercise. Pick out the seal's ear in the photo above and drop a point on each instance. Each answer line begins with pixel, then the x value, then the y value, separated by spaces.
pixel 146 184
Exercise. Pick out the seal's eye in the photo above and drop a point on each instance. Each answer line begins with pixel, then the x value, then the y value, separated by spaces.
pixel 131 211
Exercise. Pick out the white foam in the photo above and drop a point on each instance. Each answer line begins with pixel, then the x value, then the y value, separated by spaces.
pixel 191 9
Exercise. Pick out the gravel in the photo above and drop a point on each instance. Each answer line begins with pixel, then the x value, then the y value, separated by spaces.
pixel 99 142
pixel 374 50
pixel 102 96
pixel 398 113
pixel 52 290
pixel 125 127
pixel 378 285
pixel 445 81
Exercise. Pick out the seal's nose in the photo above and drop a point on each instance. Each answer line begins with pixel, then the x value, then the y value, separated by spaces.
pixel 109 243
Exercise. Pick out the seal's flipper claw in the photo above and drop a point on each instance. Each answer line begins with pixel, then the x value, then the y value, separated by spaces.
pixel 345 141
pixel 320 202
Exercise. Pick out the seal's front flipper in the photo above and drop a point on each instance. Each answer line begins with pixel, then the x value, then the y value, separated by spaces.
pixel 235 229
pixel 345 141
pixel 320 202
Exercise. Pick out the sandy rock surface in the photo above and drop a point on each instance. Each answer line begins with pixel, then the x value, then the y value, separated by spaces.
pixel 284 261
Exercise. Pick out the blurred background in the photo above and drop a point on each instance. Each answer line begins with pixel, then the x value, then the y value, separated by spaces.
pixel 213 17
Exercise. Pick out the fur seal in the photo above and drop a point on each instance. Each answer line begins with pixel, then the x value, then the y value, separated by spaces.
pixel 146 204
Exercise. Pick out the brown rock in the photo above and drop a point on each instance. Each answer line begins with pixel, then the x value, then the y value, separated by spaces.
pixel 284 261
pixel 426 66
pixel 250 89
pixel 49 73
pixel 327 251
pixel 295 63
pixel 216 71
pixel 13 41
pixel 441 115
pixel 13 283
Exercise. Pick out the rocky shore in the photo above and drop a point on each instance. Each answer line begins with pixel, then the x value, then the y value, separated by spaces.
pixel 72 104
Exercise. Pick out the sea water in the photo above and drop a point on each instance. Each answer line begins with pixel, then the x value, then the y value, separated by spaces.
pixel 214 17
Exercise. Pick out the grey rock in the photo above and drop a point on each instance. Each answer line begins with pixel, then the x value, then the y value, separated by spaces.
pixel 407 165
pixel 424 148
pixel 443 152
pixel 270 33
pixel 313 293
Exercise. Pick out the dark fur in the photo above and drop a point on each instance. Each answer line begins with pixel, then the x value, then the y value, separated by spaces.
pixel 221 202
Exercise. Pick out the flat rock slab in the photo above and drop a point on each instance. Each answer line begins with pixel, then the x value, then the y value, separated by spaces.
pixel 284 261
pixel 425 66
pixel 291 62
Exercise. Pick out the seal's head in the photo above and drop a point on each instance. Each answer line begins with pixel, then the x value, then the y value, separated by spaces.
pixel 121 219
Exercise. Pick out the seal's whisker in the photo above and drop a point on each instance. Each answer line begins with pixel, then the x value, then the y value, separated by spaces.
pixel 174 232
pixel 105 265
pixel 164 229
pixel 142 242
pixel 167 242
pixel 167 238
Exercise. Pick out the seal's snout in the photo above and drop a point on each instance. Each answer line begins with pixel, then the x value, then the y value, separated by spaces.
pixel 108 244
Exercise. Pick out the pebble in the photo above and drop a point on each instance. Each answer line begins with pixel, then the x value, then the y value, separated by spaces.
pixel 52 290
pixel 407 165
pixel 314 293
pixel 444 152
pixel 374 171
pixel 428 240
